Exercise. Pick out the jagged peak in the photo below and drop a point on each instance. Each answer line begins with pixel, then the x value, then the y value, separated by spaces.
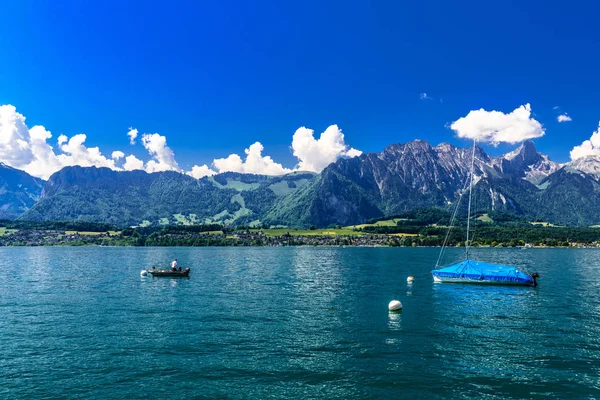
pixel 586 159
pixel 445 146
pixel 423 146
pixel 526 150
pixel 417 144
pixel 588 164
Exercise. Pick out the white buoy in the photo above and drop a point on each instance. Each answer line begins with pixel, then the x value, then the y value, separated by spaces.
pixel 395 305
pixel 143 273
pixel 410 279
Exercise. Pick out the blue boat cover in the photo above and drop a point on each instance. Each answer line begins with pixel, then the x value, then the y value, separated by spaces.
pixel 477 270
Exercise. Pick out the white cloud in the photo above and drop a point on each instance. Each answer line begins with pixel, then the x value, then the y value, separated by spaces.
pixel 28 149
pixel 15 150
pixel 200 171
pixel 163 156
pixel 132 163
pixel 45 162
pixel 423 96
pixel 316 154
pixel 133 133
pixel 313 155
pixel 590 147
pixel 76 153
pixel 255 163
pixel 563 118
pixel 352 153
pixel 496 127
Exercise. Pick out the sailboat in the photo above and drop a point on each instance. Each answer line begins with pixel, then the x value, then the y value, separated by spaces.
pixel 471 271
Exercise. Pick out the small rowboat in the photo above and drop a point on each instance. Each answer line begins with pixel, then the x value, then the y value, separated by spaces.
pixel 168 272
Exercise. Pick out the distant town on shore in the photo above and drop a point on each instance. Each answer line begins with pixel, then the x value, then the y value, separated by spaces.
pixel 397 232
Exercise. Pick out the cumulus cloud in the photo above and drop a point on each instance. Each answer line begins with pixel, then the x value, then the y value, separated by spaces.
pixel 45 162
pixel 76 153
pixel 316 154
pixel 15 149
pixel 590 147
pixel 313 155
pixel 133 133
pixel 255 163
pixel 497 127
pixel 424 96
pixel 200 171
pixel 28 149
pixel 563 118
pixel 163 156
pixel 132 163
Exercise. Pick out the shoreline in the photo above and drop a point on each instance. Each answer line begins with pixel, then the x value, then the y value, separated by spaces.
pixel 64 245
pixel 58 234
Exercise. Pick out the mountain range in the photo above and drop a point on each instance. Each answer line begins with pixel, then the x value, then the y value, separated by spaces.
pixel 350 191
pixel 18 191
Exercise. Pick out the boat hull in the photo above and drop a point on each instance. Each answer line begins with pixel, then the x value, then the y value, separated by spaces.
pixel 437 279
pixel 173 274
pixel 478 272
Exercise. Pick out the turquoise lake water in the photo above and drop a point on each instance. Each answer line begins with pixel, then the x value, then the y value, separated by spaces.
pixel 294 323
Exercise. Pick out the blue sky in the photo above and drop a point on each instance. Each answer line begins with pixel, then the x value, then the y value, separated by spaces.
pixel 215 77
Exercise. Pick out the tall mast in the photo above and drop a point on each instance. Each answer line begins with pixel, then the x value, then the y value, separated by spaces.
pixel 467 243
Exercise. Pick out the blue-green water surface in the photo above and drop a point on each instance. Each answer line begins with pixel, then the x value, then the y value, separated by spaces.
pixel 294 323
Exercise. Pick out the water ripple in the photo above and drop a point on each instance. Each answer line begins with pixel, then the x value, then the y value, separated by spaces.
pixel 293 322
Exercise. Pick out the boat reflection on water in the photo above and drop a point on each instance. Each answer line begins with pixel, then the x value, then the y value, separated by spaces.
pixel 482 305
pixel 482 329
pixel 482 297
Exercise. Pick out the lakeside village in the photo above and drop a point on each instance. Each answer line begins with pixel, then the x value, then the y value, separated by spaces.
pixel 391 233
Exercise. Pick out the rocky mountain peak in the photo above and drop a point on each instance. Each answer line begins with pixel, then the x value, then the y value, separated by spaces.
pixel 418 143
pixel 589 165
pixel 444 146
pixel 402 177
pixel 526 153
pixel 525 162
pixel 18 191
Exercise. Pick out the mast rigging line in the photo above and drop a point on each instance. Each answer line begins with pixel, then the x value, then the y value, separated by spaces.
pixel 452 219
pixel 470 196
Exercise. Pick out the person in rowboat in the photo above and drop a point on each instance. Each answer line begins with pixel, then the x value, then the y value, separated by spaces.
pixel 174 265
